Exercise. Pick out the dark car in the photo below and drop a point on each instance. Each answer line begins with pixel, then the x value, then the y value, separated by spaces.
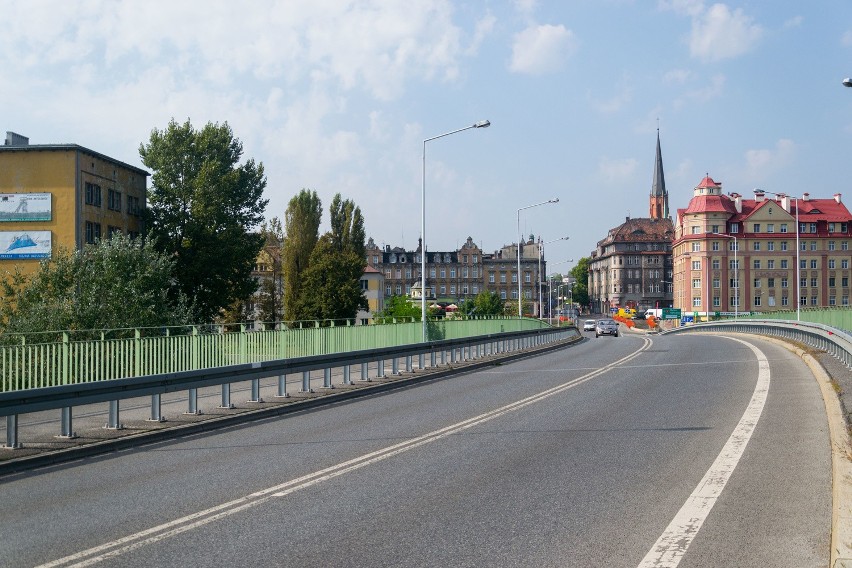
pixel 606 327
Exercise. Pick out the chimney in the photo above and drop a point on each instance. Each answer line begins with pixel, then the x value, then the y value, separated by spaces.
pixel 759 196
pixel 13 139
pixel 837 198
pixel 806 197
pixel 785 202
pixel 738 202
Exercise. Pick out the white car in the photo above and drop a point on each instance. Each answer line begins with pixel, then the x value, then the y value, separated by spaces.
pixel 589 325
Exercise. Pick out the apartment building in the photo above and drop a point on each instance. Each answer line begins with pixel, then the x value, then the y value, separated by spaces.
pixel 766 253
pixel 62 195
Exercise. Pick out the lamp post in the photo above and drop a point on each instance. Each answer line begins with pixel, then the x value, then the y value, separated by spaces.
pixel 550 292
pixel 554 200
pixel 798 263
pixel 540 246
pixel 480 124
pixel 736 274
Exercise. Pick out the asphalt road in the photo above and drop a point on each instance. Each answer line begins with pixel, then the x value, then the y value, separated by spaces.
pixel 609 453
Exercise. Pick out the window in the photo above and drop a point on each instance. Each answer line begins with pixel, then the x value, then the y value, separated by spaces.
pixel 757 300
pixel 832 281
pixel 832 300
pixel 514 278
pixel 113 200
pixel 453 289
pixel 770 264
pixel 757 263
pixel 770 245
pixel 696 265
pixel 783 227
pixel 514 294
pixel 465 290
pixel 814 301
pixel 93 194
pixel 784 246
pixel 812 228
pixel 399 289
pixel 813 263
pixel 803 246
pixel 803 282
pixel 464 272
pixel 813 245
pixel 756 245
pixel 735 301
pixel 502 294
pixel 443 289
pixel 696 230
pixel 803 263
pixel 387 273
pixel 735 227
pixel 527 277
pixel 388 291
pixel 831 227
pixel 408 273
pixel 696 302
pixel 715 246
pixel 443 272
pixel 133 207
pixel 714 229
pixel 757 282
pixel 476 259
pixel 814 283
pixel 716 302
pixel 831 263
pixel 734 264
pixel 716 264
pixel 491 277
pixel 844 245
pixel 696 282
pixel 716 283
pixel 784 282
pixel 830 245
pixel 844 300
pixel 696 247
pixel 803 300
pixel 770 283
pixel 844 263
pixel 756 228
pixel 432 272
pixel 785 301
pixel 452 272
pixel 784 263
pixel 528 294
pixel 770 227
pixel 399 273
pixel 93 232
pixel 502 278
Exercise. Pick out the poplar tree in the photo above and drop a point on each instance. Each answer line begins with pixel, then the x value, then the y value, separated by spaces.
pixel 301 233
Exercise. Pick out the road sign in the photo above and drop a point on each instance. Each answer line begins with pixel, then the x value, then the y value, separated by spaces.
pixel 671 313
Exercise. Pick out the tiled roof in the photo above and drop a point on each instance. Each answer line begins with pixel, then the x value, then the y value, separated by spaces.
pixel 712 203
pixel 642 229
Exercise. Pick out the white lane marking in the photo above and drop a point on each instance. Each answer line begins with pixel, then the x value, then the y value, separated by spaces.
pixel 670 548
pixel 154 534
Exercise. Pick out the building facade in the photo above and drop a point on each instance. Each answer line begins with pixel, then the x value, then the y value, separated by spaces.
pixel 632 266
pixel 63 195
pixel 768 253
pixel 459 275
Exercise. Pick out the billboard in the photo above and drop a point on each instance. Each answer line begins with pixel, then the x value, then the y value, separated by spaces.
pixel 24 244
pixel 24 207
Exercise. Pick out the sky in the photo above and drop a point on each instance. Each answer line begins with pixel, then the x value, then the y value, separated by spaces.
pixel 338 97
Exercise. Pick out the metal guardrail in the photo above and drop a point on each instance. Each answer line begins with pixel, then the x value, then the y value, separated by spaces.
pixel 65 397
pixel 32 364
pixel 826 338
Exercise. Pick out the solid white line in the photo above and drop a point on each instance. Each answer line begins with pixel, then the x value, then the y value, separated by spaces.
pixel 154 534
pixel 670 548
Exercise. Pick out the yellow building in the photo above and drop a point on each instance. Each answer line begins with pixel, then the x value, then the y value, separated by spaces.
pixel 55 196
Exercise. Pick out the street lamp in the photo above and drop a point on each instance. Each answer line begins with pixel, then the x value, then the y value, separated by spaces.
pixel 736 274
pixel 540 245
pixel 550 286
pixel 554 200
pixel 798 263
pixel 480 124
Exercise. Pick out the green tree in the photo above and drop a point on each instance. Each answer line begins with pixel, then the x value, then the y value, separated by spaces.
pixel 400 307
pixel 202 207
pixel 486 303
pixel 118 283
pixel 581 274
pixel 301 228
pixel 331 283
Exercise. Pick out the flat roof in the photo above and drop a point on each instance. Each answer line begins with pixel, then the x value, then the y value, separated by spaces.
pixel 67 147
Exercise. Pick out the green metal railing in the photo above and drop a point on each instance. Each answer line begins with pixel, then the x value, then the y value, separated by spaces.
pixel 839 317
pixel 56 358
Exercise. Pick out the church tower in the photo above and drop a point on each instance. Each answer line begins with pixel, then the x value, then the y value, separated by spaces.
pixel 659 200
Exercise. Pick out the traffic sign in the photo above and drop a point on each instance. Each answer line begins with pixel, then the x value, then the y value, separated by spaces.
pixel 671 313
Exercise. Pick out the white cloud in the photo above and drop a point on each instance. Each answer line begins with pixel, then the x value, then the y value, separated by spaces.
pixel 617 171
pixel 719 33
pixel 762 163
pixel 542 49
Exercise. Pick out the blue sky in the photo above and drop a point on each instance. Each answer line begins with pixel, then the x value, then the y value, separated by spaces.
pixel 338 96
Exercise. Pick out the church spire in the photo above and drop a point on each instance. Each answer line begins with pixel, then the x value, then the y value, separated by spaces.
pixel 659 200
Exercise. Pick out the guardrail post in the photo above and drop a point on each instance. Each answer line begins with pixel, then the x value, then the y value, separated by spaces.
pixel 421 361
pixel 452 354
pixel 255 391
pixel 12 432
pixel 306 381
pixel 443 357
pixel 394 366
pixel 192 406
pixel 347 379
pixel 156 409
pixel 432 362
pixel 65 427
pixel 282 387
pixel 408 364
pixel 112 417
pixel 365 371
pixel 380 371
pixel 226 396
pixel 326 378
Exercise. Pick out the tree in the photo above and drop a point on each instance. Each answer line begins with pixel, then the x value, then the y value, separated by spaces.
pixel 485 303
pixel 331 284
pixel 580 273
pixel 202 207
pixel 301 227
pixel 401 308
pixel 118 283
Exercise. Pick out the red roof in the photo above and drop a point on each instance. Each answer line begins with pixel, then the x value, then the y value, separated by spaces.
pixel 708 182
pixel 713 203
